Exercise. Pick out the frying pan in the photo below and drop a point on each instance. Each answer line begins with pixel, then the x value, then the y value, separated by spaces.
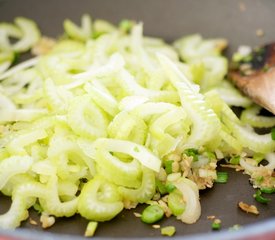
pixel 236 20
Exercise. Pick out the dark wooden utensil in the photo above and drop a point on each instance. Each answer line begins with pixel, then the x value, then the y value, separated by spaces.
pixel 255 76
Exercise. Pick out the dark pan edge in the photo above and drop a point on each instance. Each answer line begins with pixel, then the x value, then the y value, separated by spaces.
pixel 264 230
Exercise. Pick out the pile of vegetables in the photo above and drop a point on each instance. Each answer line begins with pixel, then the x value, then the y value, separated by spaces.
pixel 104 118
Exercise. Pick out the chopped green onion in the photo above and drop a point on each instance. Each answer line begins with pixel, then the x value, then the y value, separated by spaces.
pixel 170 187
pixel 211 155
pixel 37 207
pixel 259 198
pixel 152 214
pixel 176 203
pixel 161 187
pixel 126 25
pixel 168 231
pixel 273 134
pixel 91 228
pixel 16 57
pixel 168 166
pixel 222 177
pixel 268 190
pixel 235 160
pixel 216 225
pixel 192 152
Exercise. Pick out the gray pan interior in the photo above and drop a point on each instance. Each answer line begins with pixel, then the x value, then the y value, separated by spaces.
pixel 169 20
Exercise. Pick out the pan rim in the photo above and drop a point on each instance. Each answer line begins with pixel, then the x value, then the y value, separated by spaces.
pixel 262 230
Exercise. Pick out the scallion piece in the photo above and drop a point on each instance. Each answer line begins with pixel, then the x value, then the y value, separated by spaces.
pixel 176 203
pixel 168 166
pixel 192 152
pixel 126 25
pixel 91 228
pixel 37 207
pixel 216 225
pixel 170 187
pixel 161 187
pixel 259 198
pixel 222 177
pixel 210 155
pixel 152 214
pixel 268 190
pixel 235 160
pixel 168 231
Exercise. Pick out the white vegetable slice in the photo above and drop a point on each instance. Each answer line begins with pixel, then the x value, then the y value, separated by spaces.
pixel 14 115
pixel 205 123
pixel 137 151
pixel 30 34
pixel 19 67
pixel 12 166
pixel 190 194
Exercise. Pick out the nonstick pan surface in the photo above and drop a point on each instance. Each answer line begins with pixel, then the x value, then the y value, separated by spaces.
pixel 237 21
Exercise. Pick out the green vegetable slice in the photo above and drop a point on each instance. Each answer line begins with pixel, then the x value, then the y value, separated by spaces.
pixel 30 34
pixel 222 177
pixel 86 119
pixel 250 139
pixel 250 116
pixel 205 123
pixel 168 231
pixel 143 193
pixel 190 193
pixel 139 152
pixel 152 214
pixel 194 46
pixel 176 203
pixel 82 33
pixel 99 200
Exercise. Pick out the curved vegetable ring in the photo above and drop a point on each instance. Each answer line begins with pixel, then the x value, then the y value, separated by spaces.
pixel 30 34
pixel 86 119
pixel 23 197
pixel 68 154
pixel 249 138
pixel 124 173
pixel 136 151
pixel 23 139
pixel 190 194
pixel 53 93
pixel 79 33
pixel 131 87
pixel 12 166
pixel 102 97
pixel 205 123
pixel 250 116
pixel 143 193
pixel 51 203
pixel 126 126
pixel 99 200
pixel 163 140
